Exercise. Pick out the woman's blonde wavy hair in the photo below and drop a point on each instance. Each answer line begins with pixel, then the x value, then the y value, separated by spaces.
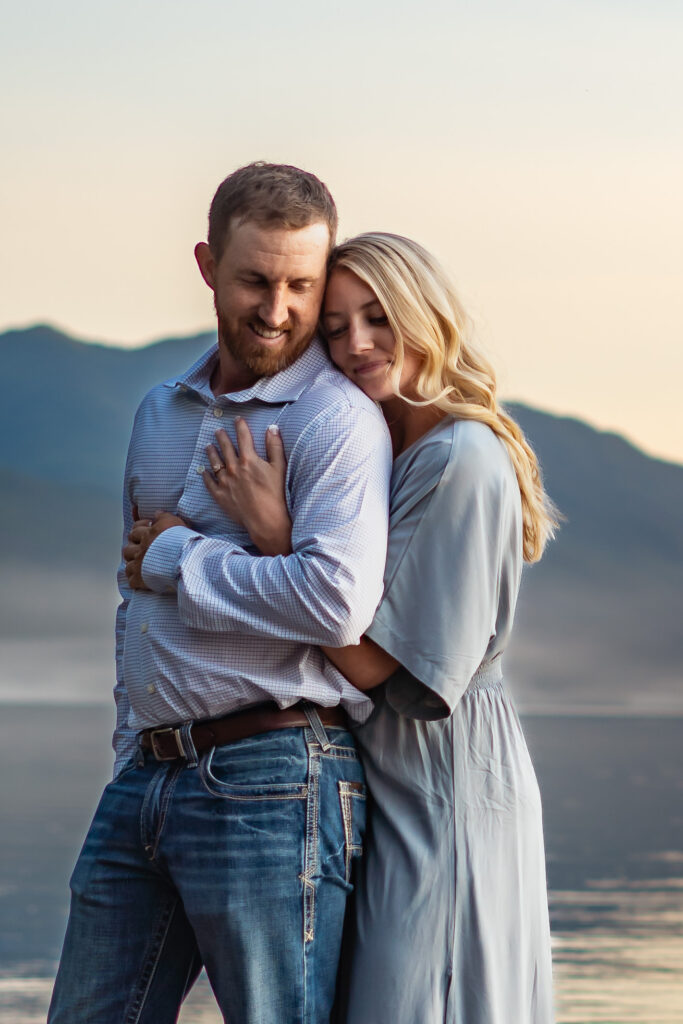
pixel 426 315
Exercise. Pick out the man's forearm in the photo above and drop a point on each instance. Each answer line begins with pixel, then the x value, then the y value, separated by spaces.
pixel 299 597
pixel 324 592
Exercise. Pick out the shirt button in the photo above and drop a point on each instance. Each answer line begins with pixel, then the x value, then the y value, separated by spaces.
pixel 200 469
pixel 151 688
pixel 217 411
pixel 144 626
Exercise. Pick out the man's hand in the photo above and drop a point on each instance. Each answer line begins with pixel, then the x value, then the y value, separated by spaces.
pixel 144 531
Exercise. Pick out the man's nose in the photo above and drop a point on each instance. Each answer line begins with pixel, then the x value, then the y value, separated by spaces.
pixel 273 309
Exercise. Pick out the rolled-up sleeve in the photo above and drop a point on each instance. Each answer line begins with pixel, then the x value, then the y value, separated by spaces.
pixel 327 590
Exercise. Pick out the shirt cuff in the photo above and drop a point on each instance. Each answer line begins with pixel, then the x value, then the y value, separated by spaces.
pixel 161 564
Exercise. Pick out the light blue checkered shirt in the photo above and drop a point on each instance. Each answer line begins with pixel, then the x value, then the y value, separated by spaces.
pixel 222 629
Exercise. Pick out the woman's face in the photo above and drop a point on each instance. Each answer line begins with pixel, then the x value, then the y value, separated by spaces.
pixel 361 342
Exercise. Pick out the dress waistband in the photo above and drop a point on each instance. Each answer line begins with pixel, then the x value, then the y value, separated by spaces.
pixel 487 674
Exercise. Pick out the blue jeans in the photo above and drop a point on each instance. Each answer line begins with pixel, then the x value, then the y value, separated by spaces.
pixel 241 862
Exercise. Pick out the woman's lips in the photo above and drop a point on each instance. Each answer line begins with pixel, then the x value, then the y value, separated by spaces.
pixel 366 368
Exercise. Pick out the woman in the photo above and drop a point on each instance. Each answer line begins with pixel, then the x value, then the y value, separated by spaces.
pixel 451 910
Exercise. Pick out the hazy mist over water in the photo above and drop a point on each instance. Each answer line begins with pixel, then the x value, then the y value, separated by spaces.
pixel 613 803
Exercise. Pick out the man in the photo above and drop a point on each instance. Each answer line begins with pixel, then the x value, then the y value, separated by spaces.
pixel 227 835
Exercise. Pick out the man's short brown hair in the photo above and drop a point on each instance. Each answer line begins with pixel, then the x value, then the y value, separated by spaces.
pixel 270 194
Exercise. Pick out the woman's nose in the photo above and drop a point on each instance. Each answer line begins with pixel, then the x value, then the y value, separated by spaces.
pixel 360 339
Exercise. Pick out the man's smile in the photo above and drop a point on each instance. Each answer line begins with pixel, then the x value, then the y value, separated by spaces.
pixel 268 333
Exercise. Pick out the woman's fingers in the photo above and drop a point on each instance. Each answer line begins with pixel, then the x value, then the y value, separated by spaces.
pixel 215 458
pixel 228 453
pixel 210 484
pixel 244 439
pixel 275 449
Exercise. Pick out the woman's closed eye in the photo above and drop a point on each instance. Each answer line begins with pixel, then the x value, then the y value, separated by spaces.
pixel 379 320
pixel 336 332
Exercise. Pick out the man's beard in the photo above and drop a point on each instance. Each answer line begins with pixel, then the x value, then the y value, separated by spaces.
pixel 258 358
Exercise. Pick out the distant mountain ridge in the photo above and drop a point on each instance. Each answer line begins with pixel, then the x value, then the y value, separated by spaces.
pixel 82 395
pixel 598 615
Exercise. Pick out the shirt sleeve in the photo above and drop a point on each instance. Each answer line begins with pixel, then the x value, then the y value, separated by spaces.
pixel 123 740
pixel 327 590
pixel 438 612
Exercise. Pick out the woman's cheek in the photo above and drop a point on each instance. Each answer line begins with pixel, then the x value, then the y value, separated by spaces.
pixel 337 354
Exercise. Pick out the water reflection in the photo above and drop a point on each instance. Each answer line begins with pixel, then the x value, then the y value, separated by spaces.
pixel 612 791
pixel 618 953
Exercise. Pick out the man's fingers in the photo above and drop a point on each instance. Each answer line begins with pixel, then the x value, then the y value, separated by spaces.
pixel 275 449
pixel 131 552
pixel 244 439
pixel 135 580
pixel 139 531
pixel 229 455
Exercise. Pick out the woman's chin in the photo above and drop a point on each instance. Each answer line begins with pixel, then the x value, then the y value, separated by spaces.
pixel 377 390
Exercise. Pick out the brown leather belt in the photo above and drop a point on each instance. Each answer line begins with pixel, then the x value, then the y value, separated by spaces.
pixel 166 743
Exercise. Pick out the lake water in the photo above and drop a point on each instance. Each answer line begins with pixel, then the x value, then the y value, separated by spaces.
pixel 613 799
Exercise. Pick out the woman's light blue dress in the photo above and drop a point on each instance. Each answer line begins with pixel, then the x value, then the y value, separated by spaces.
pixel 451 908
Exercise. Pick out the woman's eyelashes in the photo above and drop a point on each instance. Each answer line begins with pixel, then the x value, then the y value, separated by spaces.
pixel 374 321
pixel 335 332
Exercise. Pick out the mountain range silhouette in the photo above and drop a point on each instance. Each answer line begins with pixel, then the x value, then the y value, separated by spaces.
pixel 598 624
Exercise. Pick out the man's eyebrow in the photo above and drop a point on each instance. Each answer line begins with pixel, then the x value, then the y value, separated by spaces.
pixel 366 305
pixel 252 274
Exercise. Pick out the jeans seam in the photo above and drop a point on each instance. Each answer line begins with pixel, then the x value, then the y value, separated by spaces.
pixel 150 965
pixel 348 792
pixel 311 847
pixel 167 796
pixel 348 828
pixel 340 753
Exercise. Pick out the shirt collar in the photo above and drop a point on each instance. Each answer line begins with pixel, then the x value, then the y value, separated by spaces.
pixel 286 386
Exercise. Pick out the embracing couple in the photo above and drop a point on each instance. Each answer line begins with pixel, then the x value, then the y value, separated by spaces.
pixel 325 521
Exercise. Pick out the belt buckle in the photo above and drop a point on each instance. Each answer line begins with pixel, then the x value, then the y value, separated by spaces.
pixel 162 732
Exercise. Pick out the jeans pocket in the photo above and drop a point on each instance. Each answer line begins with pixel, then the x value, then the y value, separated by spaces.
pixel 352 801
pixel 243 772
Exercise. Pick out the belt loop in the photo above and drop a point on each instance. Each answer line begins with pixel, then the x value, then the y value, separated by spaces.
pixel 139 753
pixel 317 726
pixel 189 748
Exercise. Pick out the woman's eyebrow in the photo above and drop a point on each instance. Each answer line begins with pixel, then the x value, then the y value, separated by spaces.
pixel 366 305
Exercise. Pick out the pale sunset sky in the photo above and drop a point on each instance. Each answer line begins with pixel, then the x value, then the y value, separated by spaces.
pixel 536 147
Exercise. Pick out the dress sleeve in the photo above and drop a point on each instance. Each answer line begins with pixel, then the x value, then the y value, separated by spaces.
pixel 439 609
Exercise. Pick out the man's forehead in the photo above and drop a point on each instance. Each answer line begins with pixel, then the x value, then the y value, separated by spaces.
pixel 252 242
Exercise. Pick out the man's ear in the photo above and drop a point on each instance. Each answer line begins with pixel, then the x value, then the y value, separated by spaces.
pixel 206 262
